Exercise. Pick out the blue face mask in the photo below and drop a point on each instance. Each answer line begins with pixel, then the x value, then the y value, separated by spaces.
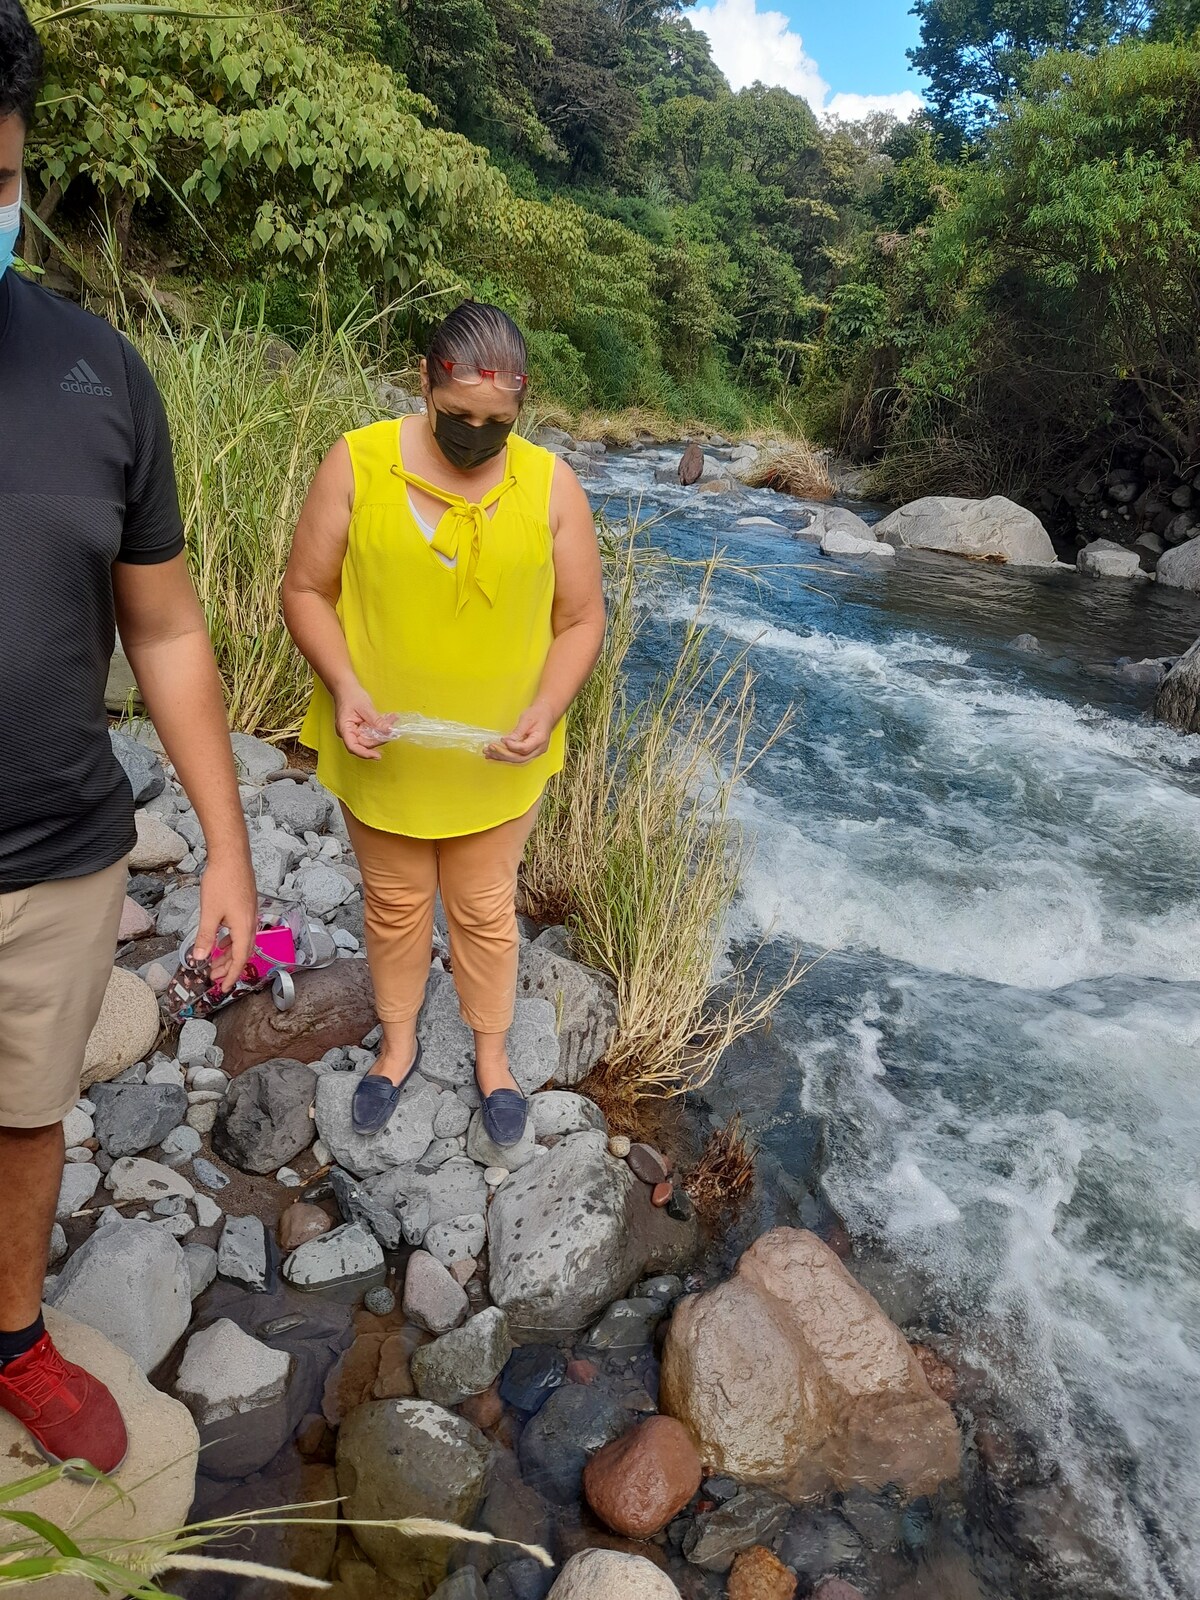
pixel 10 227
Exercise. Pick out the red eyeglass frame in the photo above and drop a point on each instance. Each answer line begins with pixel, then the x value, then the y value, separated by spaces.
pixel 484 372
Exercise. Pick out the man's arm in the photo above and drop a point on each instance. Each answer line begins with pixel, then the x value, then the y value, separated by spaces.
pixel 164 636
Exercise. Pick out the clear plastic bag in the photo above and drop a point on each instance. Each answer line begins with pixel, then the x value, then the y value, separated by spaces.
pixel 405 727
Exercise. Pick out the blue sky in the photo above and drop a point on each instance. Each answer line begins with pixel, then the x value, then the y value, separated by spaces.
pixel 844 56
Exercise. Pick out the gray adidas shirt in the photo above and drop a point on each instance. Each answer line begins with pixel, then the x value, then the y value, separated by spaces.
pixel 86 480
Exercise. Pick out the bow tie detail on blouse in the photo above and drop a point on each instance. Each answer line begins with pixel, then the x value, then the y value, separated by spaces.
pixel 463 536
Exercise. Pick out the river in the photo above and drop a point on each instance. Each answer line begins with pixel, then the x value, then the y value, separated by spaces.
pixel 997 857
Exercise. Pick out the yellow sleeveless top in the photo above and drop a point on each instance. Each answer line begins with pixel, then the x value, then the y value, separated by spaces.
pixel 466 642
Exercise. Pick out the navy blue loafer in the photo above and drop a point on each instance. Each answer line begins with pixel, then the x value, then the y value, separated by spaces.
pixel 376 1098
pixel 504 1115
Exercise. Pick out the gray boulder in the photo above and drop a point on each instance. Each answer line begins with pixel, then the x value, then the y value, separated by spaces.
pixel 449 1046
pixel 1180 568
pixel 464 1362
pixel 556 1112
pixel 1103 558
pixel 408 1458
pixel 585 1008
pixel 574 1423
pixel 132 1284
pixel 132 1117
pixel 140 765
pixel 1178 700
pixel 255 759
pixel 297 807
pixel 404 1138
pixel 225 1373
pixel 265 1119
pixel 135 1178
pixel 573 1232
pixel 242 1252
pixel 179 912
pixel 995 527
pixel 322 887
pixel 345 1255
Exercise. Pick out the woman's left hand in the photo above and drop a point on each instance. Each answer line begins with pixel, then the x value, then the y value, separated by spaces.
pixel 528 740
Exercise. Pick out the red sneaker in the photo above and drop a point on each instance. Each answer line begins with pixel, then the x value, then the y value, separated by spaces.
pixel 70 1414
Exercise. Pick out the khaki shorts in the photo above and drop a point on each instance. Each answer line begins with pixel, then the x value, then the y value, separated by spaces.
pixel 57 942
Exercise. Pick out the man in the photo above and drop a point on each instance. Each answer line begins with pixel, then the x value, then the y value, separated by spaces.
pixel 90 534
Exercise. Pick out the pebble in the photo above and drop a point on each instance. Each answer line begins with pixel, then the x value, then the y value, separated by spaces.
pixel 432 1299
pixel 289 1177
pixel 78 1127
pixel 381 1302
pixel 208 1212
pixel 173 1205
pixel 619 1146
pixel 211 1177
pixel 299 1223
pixel 77 1152
pixel 242 1252
pixel 195 1037
pixel 494 1176
pixel 179 1226
pixel 58 1245
pixel 463 1271
pixel 156 976
pixel 451 1241
pixel 183 1142
pixel 201 1262
pixel 661 1194
pixel 647 1164
pixel 202 1117
pixel 206 1078
pixel 168 1072
pixel 532 1374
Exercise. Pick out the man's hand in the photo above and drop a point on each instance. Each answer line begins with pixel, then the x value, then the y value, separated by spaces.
pixel 354 717
pixel 228 898
pixel 528 740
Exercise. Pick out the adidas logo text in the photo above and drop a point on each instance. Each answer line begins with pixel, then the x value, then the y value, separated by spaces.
pixel 82 380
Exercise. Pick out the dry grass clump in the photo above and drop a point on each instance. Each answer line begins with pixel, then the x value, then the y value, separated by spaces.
pixel 636 848
pixel 724 1175
pixel 798 468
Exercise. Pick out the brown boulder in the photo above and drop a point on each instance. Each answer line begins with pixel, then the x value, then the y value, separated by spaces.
pixel 789 1375
pixel 759 1575
pixel 334 1006
pixel 691 464
pixel 640 1481
pixel 299 1223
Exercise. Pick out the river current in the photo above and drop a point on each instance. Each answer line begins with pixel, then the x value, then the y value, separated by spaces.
pixel 997 857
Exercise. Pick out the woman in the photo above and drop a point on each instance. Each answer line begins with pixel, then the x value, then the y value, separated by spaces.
pixel 444 566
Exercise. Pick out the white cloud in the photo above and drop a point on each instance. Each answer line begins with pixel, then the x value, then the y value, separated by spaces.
pixel 753 46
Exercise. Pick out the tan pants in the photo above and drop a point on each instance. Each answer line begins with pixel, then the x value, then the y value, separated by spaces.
pixel 57 942
pixel 477 874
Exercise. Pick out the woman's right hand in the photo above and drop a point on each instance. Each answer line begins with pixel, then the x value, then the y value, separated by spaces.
pixel 354 717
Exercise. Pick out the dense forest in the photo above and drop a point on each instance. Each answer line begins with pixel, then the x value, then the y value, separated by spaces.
pixel 997 294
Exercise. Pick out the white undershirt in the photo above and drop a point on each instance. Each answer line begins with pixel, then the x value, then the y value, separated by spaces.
pixel 429 529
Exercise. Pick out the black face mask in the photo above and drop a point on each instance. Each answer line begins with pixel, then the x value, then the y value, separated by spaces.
pixel 469 444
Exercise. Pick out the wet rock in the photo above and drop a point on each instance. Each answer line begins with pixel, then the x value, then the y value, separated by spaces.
pixel 716 1537
pixel 464 1362
pixel 132 1117
pixel 836 1589
pixel 821 1543
pixel 408 1458
pixel 569 1234
pixel 344 1255
pixel 334 1006
pixel 1104 558
pixel 448 1045
pixel 225 1373
pixel 1180 568
pixel 790 1375
pixel 605 1574
pixel 938 1373
pixel 432 1299
pixel 636 1484
pixel 510 1156
pixel 585 1010
pixel 532 1375
pixel 525 1579
pixel 555 1445
pixel 299 1223
pixel 380 1302
pixel 1029 643
pixel 125 1030
pixel 1178 700
pixel 465 1584
pixel 556 1113
pixel 841 542
pixel 646 1163
pixel 994 527
pixel 140 765
pixel 626 1325
pixel 264 1120
pixel 402 1139
pixel 132 1284
pixel 242 1252
pixel 759 1575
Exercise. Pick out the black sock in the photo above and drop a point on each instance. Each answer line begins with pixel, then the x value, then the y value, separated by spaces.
pixel 16 1344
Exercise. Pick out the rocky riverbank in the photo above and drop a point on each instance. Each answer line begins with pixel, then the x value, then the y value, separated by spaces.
pixel 523 1341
